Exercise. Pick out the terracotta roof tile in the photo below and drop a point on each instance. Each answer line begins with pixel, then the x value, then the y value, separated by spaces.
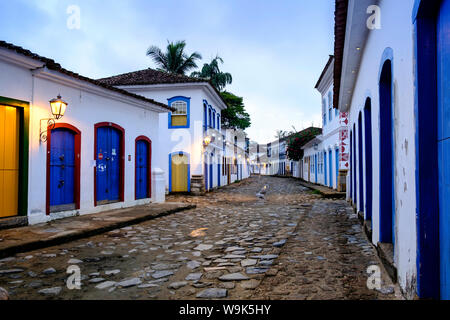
pixel 340 17
pixel 52 65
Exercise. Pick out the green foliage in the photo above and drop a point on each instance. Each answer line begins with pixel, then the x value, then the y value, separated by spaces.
pixel 298 140
pixel 211 72
pixel 174 60
pixel 235 116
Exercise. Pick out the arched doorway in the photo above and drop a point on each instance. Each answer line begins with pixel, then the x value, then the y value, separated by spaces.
pixel 387 202
pixel 63 168
pixel 360 164
pixel 110 163
pixel 179 175
pixel 355 187
pixel 432 22
pixel 368 156
pixel 143 168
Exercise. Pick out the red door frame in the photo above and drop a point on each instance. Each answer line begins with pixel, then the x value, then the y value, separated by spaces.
pixel 77 153
pixel 149 161
pixel 122 158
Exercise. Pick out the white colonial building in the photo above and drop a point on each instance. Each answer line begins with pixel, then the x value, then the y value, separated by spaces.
pixel 98 156
pixel 392 74
pixel 323 159
pixel 193 145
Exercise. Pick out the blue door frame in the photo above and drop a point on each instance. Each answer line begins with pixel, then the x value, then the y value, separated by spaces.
pixel 325 167
pixel 315 167
pixel 206 172
pixel 142 180
pixel 368 154
pixel 337 166
pixel 432 106
pixel 109 151
pixel 330 160
pixel 355 186
pixel 351 165
pixel 360 164
pixel 387 194
pixel 211 176
pixel 62 167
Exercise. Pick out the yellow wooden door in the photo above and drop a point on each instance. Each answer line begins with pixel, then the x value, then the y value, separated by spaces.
pixel 179 173
pixel 9 161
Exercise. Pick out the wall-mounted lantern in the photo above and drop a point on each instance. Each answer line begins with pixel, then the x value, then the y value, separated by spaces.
pixel 58 108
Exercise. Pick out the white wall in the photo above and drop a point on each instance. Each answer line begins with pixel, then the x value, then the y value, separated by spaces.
pixel 396 33
pixel 85 109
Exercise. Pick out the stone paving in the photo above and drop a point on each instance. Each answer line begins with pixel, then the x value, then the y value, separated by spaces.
pixel 290 244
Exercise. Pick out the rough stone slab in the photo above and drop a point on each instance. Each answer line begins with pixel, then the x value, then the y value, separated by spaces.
pixel 279 244
pixel 10 271
pixel 194 276
pixel 250 284
pixel 203 247
pixel 248 262
pixel 105 285
pixel 112 272
pixel 177 285
pixel 234 256
pixel 255 270
pixel 74 261
pixel 162 274
pixel 51 291
pixel 265 257
pixel 233 277
pixel 212 293
pixel 129 283
pixel 193 264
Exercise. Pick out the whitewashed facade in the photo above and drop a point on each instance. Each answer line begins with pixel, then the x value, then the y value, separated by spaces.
pixel 27 83
pixel 389 88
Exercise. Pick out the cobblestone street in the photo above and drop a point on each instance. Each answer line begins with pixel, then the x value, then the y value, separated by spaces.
pixel 291 245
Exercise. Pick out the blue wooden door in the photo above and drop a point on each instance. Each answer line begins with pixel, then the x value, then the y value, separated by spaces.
pixel 62 170
pixel 108 165
pixel 218 174
pixel 211 176
pixel 443 52
pixel 360 164
pixel 330 160
pixel 325 165
pixel 206 172
pixel 368 162
pixel 142 170
pixel 315 168
pixel 387 187
pixel 337 166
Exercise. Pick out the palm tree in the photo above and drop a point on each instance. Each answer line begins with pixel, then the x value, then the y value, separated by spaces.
pixel 174 60
pixel 212 73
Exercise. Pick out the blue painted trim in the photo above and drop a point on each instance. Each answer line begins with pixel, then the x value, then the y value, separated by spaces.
pixel 355 186
pixel 427 175
pixel 188 111
pixel 368 157
pixel 170 169
pixel 360 164
pixel 387 228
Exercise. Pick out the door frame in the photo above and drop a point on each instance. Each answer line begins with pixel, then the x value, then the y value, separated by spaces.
pixel 122 158
pixel 77 151
pixel 149 162
pixel 24 143
pixel 427 175
pixel 188 170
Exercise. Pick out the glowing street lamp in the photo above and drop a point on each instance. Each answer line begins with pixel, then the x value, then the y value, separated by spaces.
pixel 58 106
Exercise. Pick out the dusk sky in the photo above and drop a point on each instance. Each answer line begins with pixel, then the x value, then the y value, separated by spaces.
pixel 275 50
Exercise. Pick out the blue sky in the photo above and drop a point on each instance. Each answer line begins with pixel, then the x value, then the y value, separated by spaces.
pixel 275 50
